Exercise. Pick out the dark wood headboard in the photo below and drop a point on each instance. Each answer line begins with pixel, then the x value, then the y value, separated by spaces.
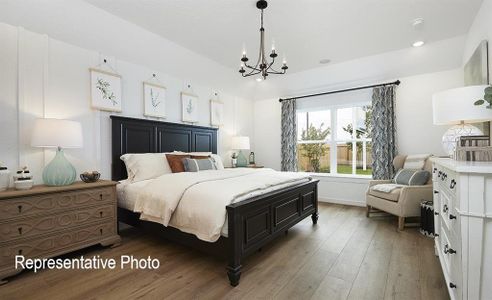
pixel 132 135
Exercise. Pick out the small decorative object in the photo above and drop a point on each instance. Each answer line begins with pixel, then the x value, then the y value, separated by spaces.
pixel 105 90
pixel 234 160
pixel 487 98
pixel 252 158
pixel 216 113
pixel 154 99
pixel 4 177
pixel 427 218
pixel 240 143
pixel 59 134
pixel 89 177
pixel 189 104
pixel 473 148
pixel 456 107
pixel 23 179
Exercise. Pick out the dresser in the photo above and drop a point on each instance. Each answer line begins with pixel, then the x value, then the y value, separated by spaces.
pixel 463 226
pixel 46 221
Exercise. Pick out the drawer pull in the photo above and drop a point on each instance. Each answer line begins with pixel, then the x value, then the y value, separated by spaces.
pixel 452 285
pixel 101 231
pixel 20 230
pixel 439 174
pixel 19 208
pixel 445 208
pixel 19 251
pixel 101 196
pixel 435 169
pixel 436 213
pixel 436 234
pixel 436 192
pixel 451 217
pixel 448 250
pixel 453 184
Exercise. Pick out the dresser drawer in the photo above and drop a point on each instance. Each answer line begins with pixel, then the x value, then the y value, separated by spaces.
pixel 48 203
pixel 55 244
pixel 27 227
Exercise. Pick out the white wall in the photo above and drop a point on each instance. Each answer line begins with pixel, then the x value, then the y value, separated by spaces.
pixel 44 77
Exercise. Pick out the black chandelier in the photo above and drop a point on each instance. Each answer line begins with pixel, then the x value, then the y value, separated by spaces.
pixel 262 66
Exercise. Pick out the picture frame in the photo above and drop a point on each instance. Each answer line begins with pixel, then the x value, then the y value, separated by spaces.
pixel 189 104
pixel 154 100
pixel 216 113
pixel 105 90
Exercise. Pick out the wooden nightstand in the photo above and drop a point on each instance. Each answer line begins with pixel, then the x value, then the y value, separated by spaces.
pixel 47 221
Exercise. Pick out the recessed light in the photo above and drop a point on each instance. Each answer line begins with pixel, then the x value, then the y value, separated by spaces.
pixel 324 61
pixel 418 43
pixel 259 79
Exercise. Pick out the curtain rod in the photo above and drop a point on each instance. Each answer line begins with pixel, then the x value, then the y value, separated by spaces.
pixel 397 82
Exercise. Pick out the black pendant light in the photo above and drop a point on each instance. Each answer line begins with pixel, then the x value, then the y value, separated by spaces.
pixel 262 66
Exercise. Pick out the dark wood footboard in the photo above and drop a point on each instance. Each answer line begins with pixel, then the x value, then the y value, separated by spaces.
pixel 256 221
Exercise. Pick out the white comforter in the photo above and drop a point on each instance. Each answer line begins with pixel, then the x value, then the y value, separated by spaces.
pixel 196 202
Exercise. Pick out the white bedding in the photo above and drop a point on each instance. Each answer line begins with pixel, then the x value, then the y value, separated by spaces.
pixel 195 202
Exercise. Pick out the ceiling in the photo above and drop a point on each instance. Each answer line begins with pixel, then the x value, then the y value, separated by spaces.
pixel 304 31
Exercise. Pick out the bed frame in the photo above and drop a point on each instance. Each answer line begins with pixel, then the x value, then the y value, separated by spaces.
pixel 252 223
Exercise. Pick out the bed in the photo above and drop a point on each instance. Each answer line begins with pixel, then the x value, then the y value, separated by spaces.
pixel 251 221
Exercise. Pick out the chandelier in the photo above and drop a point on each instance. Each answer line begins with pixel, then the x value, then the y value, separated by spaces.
pixel 262 66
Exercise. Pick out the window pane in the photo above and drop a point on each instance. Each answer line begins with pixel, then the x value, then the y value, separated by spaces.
pixel 344 123
pixel 363 121
pixel 301 123
pixel 319 125
pixel 344 158
pixel 364 162
pixel 313 157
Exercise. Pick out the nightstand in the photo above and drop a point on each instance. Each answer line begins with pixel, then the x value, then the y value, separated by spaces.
pixel 45 221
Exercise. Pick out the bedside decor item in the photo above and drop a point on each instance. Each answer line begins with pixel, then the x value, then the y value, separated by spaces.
pixel 241 143
pixel 456 107
pixel 473 148
pixel 234 160
pixel 189 104
pixel 59 134
pixel 23 179
pixel 89 177
pixel 252 158
pixel 154 99
pixel 4 177
pixel 105 90
pixel 216 113
pixel 262 67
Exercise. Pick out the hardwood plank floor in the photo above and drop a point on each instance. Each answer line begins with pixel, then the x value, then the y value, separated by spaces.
pixel 346 256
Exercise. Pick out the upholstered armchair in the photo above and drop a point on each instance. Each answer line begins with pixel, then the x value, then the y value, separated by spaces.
pixel 403 202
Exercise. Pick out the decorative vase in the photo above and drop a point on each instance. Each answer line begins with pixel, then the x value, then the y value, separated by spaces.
pixel 59 171
pixel 241 160
pixel 4 178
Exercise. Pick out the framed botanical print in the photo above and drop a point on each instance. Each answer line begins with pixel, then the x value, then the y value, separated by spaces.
pixel 189 103
pixel 105 90
pixel 216 113
pixel 154 100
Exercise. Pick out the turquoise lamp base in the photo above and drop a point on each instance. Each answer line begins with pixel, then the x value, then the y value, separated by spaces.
pixel 241 160
pixel 59 171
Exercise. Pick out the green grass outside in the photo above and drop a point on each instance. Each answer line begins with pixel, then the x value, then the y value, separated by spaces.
pixel 346 169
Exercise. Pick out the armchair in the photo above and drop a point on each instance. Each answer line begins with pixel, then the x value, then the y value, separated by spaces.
pixel 402 202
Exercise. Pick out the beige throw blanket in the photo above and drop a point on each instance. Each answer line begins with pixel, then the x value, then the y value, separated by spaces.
pixel 202 197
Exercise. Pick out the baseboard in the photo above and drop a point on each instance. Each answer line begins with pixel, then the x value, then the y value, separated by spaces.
pixel 342 201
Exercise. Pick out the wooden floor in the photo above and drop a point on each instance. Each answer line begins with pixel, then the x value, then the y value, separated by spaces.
pixel 346 256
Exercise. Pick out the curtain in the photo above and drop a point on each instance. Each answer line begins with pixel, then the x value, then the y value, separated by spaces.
pixel 289 136
pixel 384 132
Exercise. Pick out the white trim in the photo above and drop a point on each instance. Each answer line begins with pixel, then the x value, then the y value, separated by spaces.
pixel 346 177
pixel 474 215
pixel 341 201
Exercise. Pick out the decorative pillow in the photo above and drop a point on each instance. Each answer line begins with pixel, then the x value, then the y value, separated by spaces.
pixel 416 161
pixel 195 165
pixel 145 166
pixel 176 162
pixel 219 165
pixel 411 177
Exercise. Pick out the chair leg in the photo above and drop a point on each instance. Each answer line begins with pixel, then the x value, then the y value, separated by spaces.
pixel 368 211
pixel 401 223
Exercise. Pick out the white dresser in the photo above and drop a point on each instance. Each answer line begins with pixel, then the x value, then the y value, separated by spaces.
pixel 463 226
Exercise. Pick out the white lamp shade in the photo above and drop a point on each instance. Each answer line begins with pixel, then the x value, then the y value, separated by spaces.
pixel 57 133
pixel 240 142
pixel 456 105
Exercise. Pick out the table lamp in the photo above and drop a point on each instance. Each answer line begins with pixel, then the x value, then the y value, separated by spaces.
pixel 456 107
pixel 241 143
pixel 59 134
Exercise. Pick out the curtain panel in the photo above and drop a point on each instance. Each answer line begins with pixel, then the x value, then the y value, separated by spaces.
pixel 289 136
pixel 384 132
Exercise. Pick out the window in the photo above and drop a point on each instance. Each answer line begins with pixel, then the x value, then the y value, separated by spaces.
pixel 335 138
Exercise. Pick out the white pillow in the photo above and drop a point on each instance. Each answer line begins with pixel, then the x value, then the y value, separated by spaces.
pixel 145 166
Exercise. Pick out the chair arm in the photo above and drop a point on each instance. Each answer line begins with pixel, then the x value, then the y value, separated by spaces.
pixel 411 197
pixel 376 182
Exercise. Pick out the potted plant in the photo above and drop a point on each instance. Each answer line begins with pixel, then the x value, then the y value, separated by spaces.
pixel 487 98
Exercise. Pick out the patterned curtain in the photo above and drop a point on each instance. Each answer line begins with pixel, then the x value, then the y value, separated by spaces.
pixel 384 132
pixel 289 136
